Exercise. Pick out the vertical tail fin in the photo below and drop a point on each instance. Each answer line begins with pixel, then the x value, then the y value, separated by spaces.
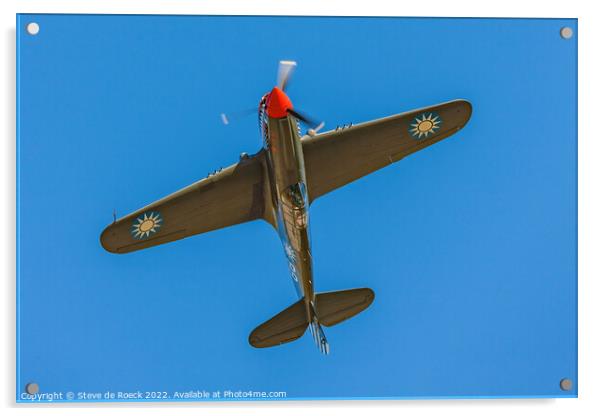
pixel 318 335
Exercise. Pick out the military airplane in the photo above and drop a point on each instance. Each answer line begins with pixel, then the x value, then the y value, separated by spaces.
pixel 277 185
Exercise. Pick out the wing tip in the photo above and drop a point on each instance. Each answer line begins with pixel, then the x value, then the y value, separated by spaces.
pixel 370 295
pixel 105 240
pixel 466 108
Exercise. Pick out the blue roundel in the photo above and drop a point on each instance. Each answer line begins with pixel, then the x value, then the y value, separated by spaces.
pixel 425 125
pixel 146 224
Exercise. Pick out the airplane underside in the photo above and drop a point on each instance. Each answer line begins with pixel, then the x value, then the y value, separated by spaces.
pixel 277 185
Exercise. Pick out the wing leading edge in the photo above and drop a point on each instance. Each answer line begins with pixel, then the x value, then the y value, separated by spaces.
pixel 232 196
pixel 336 158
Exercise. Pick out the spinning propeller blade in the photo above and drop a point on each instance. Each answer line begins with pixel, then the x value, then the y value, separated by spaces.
pixel 226 119
pixel 285 70
pixel 314 125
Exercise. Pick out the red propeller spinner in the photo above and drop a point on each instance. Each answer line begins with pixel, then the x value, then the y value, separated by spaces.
pixel 278 103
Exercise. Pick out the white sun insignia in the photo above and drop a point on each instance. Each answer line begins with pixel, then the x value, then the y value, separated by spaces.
pixel 146 224
pixel 424 125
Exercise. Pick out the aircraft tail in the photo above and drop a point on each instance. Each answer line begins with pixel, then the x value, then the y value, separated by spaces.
pixel 329 309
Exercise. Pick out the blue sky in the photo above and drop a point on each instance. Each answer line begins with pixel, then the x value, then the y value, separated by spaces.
pixel 469 245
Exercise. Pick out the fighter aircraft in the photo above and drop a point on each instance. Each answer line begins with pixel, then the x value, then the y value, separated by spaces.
pixel 278 185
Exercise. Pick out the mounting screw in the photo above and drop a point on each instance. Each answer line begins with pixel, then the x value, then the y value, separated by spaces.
pixel 566 384
pixel 33 28
pixel 566 32
pixel 32 388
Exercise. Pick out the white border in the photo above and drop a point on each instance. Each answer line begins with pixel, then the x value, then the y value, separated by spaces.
pixel 590 201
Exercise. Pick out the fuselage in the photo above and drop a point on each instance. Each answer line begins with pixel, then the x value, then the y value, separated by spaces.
pixel 288 191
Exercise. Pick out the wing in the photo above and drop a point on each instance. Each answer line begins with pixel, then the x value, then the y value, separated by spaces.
pixel 337 157
pixel 232 196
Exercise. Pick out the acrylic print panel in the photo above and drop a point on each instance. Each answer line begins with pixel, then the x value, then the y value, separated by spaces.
pixel 469 245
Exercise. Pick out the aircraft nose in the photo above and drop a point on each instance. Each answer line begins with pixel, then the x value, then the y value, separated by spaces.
pixel 278 103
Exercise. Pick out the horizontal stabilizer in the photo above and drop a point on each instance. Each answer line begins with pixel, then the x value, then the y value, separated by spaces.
pixel 287 326
pixel 335 307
